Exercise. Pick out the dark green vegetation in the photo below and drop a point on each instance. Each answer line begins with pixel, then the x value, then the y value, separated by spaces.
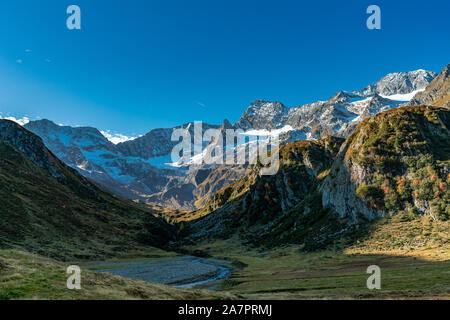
pixel 49 209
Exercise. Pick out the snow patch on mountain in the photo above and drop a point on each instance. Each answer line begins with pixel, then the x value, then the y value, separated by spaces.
pixel 400 83
pixel 268 133
pixel 403 97
pixel 117 138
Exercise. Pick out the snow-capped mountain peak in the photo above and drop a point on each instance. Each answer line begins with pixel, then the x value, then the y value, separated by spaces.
pixel 339 115
pixel 400 83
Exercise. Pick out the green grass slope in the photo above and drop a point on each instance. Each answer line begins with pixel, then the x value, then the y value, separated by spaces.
pixel 49 209
pixel 27 276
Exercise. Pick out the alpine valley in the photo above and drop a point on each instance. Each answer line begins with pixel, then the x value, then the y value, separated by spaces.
pixel 363 180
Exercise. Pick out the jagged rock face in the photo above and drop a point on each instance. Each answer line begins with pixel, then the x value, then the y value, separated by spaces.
pixel 126 169
pixel 338 116
pixel 68 143
pixel 154 144
pixel 201 181
pixel 341 113
pixel 263 115
pixel 220 177
pixel 198 187
pixel 400 83
pixel 393 161
pixel 437 93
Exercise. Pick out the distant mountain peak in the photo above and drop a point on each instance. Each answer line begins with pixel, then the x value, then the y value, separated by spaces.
pixel 342 111
pixel 400 83
pixel 263 114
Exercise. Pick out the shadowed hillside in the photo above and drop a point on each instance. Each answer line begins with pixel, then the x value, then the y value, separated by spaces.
pixel 50 209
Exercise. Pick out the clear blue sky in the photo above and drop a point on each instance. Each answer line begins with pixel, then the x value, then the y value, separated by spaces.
pixel 137 65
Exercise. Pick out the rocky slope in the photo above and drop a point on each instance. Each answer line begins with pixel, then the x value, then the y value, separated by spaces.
pixel 396 160
pixel 200 180
pixel 157 142
pixel 400 83
pixel 264 209
pixel 265 115
pixel 327 192
pixel 48 208
pixel 437 93
pixel 137 169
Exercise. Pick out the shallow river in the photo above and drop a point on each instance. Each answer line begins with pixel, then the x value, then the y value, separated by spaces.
pixel 185 271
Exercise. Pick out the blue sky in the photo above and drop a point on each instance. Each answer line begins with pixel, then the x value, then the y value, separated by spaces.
pixel 136 65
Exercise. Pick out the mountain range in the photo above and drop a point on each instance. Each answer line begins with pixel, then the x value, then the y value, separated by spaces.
pixel 141 169
pixel 379 195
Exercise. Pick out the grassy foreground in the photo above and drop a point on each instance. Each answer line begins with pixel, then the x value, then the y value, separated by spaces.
pixel 283 273
pixel 27 276
pixel 287 273
pixel 414 258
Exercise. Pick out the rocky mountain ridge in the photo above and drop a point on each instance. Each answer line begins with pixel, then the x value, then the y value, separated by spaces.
pixel 342 111
pixel 437 93
pixel 141 169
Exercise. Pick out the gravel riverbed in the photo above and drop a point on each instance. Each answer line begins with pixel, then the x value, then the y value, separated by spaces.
pixel 185 271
